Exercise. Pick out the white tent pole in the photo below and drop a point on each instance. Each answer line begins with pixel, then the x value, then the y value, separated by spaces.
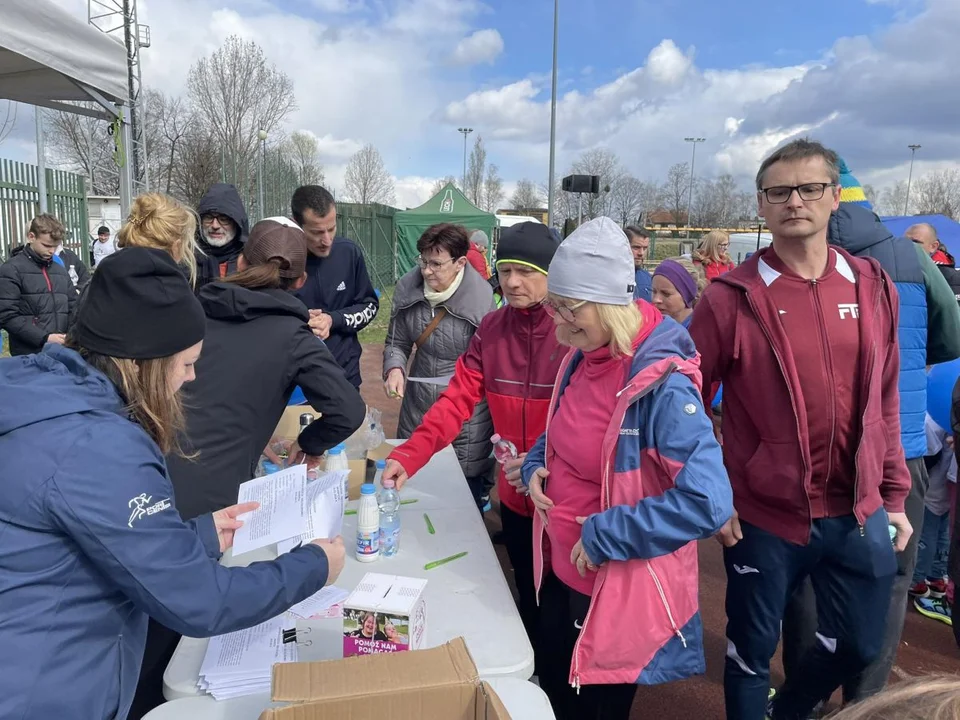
pixel 41 161
pixel 126 177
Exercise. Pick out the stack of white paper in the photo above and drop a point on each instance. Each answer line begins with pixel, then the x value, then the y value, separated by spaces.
pixel 319 603
pixel 240 663
pixel 291 509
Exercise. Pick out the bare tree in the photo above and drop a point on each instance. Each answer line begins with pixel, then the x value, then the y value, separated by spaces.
pixel 626 199
pixel 492 189
pixel 197 165
pixel 938 193
pixel 893 200
pixel 8 119
pixel 476 169
pixel 718 203
pixel 527 196
pixel 441 183
pixel 303 152
pixel 166 121
pixel 366 179
pixel 83 145
pixel 675 192
pixel 870 192
pixel 605 164
pixel 237 92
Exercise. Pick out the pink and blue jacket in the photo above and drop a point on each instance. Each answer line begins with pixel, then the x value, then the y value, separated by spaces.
pixel 663 487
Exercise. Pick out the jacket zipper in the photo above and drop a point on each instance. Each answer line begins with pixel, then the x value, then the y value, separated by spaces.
pixel 47 278
pixel 793 400
pixel 821 326
pixel 605 504
pixel 866 378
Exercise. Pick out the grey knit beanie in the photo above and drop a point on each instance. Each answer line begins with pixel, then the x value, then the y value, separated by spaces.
pixel 594 263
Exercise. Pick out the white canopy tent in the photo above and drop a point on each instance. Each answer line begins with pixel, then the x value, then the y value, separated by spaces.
pixel 48 57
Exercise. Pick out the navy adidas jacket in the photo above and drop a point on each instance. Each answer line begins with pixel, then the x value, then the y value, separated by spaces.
pixel 340 286
pixel 91 544
pixel 929 331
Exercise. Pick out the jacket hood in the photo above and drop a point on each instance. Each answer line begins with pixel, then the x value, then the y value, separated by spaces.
pixel 660 338
pixel 225 301
pixel 746 276
pixel 52 384
pixel 856 228
pixel 472 300
pixel 223 198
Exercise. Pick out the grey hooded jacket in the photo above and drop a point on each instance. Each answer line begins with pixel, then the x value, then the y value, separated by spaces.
pixel 438 357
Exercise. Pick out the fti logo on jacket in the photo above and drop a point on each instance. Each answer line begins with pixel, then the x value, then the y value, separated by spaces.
pixel 141 506
pixel 849 310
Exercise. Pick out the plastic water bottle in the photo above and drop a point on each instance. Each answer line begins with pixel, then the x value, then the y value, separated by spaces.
pixel 337 460
pixel 503 450
pixel 74 278
pixel 389 502
pixel 368 524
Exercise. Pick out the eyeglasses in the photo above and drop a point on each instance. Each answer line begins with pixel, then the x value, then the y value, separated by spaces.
pixel 433 265
pixel 566 312
pixel 224 220
pixel 808 192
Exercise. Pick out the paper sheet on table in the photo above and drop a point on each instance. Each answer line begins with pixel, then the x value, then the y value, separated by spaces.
pixel 320 602
pixel 439 380
pixel 281 512
pixel 324 504
pixel 240 663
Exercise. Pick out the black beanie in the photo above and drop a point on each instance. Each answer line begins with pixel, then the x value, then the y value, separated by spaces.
pixel 528 243
pixel 139 306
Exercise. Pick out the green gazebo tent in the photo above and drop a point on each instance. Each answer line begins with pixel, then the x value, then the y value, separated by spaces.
pixel 450 206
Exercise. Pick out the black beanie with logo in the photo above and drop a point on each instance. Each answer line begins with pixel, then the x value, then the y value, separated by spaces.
pixel 528 243
pixel 139 306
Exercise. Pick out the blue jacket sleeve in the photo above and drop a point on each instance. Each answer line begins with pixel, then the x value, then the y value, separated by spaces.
pixel 206 530
pixel 536 458
pixel 698 504
pixel 113 500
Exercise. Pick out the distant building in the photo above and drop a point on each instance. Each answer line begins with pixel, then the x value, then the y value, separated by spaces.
pixel 103 210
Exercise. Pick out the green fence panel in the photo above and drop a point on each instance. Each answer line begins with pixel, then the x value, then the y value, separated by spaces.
pixel 371 227
pixel 20 203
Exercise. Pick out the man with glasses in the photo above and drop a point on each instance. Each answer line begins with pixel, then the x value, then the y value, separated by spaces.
pixel 338 292
pixel 803 337
pixel 223 231
pixel 640 246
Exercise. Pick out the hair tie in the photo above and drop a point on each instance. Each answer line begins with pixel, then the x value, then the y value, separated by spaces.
pixel 139 220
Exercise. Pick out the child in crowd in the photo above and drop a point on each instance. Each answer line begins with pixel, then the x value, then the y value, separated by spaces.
pixel 929 586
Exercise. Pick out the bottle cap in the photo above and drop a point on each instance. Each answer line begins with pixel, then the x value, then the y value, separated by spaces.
pixel 495 438
pixel 368 489
pixel 388 483
pixel 337 449
pixel 381 464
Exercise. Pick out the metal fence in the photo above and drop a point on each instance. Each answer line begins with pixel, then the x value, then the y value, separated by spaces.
pixel 372 228
pixel 20 203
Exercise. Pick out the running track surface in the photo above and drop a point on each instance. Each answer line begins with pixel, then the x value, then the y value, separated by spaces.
pixel 927 645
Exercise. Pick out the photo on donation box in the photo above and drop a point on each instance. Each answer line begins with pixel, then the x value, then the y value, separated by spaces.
pixel 366 632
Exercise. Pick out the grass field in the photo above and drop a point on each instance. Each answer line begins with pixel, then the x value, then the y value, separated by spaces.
pixel 376 332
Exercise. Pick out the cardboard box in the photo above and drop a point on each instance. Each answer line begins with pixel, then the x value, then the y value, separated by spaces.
pixel 384 614
pixel 289 425
pixel 441 683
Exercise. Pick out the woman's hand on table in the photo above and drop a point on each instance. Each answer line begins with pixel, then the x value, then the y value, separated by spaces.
pixel 511 470
pixel 394 383
pixel 394 471
pixel 227 524
pixel 336 556
pixel 579 557
pixel 540 501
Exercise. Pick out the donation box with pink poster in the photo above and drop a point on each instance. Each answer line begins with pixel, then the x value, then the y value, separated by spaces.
pixel 384 614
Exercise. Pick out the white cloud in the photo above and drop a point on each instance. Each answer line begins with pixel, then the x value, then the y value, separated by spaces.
pixel 666 64
pixel 483 46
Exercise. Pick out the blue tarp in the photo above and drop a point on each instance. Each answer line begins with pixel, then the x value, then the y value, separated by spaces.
pixel 947 230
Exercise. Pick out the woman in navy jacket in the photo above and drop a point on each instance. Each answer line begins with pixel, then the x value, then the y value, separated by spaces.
pixel 92 543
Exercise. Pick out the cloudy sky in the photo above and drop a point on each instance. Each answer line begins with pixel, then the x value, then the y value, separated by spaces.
pixel 869 77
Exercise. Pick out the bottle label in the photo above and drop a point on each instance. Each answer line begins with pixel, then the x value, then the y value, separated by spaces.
pixel 368 543
pixel 390 539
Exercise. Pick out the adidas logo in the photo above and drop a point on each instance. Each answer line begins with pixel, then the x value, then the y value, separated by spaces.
pixel 342 286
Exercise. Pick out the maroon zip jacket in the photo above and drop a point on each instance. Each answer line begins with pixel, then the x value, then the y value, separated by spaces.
pixel 766 446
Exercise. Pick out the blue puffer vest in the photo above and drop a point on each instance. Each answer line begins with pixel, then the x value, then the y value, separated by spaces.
pixel 859 231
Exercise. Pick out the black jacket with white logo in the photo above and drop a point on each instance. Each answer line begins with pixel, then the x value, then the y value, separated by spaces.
pixel 340 286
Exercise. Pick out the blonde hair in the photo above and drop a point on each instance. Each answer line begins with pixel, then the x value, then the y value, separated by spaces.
pixel 145 388
pixel 933 697
pixel 623 322
pixel 159 221
pixel 708 252
pixel 696 272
